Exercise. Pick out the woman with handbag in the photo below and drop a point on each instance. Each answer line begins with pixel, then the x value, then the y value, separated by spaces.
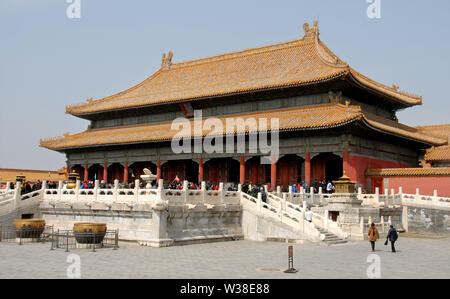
pixel 373 235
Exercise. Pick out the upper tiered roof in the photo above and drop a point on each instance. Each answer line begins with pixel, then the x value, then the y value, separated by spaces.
pixel 294 63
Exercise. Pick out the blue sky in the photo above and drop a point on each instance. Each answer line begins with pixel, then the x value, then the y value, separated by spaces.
pixel 48 61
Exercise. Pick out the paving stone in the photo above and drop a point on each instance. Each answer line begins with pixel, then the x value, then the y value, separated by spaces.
pixel 416 258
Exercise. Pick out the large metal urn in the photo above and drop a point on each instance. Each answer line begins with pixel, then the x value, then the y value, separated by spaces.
pixel 72 180
pixel 89 233
pixel 344 185
pixel 29 228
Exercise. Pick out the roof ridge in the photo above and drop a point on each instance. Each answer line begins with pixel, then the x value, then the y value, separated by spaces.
pixel 240 53
pixel 391 88
pixel 434 126
pixel 152 76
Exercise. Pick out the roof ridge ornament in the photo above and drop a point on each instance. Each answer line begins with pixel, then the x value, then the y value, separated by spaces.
pixel 166 61
pixel 311 32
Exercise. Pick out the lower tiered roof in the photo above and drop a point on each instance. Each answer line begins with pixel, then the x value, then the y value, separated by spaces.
pixel 299 118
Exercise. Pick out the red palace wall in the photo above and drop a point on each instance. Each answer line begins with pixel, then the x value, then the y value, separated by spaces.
pixel 358 165
pixel 426 185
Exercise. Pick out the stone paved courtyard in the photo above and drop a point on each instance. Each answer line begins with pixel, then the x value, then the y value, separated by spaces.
pixel 416 258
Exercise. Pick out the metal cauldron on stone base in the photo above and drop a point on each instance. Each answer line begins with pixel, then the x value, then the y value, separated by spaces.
pixel 29 228
pixel 89 233
pixel 72 180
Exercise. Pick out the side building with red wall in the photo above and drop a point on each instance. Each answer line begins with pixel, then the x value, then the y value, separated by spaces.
pixel 425 179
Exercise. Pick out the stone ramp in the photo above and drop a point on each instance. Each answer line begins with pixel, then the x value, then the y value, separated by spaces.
pixel 13 207
pixel 275 220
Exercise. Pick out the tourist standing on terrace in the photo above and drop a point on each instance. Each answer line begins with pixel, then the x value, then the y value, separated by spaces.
pixel 373 235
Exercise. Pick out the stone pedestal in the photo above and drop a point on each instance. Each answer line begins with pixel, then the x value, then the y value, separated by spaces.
pixel 347 205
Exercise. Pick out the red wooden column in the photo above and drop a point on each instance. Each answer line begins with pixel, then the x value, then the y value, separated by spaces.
pixel 308 169
pixel 273 176
pixel 86 173
pixel 200 170
pixel 158 169
pixel 242 171
pixel 105 172
pixel 125 173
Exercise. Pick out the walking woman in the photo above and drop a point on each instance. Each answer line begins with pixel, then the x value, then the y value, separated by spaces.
pixel 373 235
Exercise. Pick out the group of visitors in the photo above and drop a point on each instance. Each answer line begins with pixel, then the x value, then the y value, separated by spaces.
pixel 27 187
pixel 327 187
pixel 374 235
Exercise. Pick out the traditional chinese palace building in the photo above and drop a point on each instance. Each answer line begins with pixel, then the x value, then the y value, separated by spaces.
pixel 331 118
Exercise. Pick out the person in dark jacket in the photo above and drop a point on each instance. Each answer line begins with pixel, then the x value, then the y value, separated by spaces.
pixel 392 236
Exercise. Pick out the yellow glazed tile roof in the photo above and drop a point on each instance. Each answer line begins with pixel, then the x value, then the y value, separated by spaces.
pixel 298 62
pixel 396 128
pixel 300 118
pixel 408 172
pixel 440 153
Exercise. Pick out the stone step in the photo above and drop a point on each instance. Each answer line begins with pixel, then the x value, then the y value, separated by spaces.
pixel 284 240
pixel 336 242
pixel 332 238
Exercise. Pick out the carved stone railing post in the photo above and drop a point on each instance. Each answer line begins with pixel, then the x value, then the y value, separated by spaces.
pixel 222 193
pixel 405 218
pixel 400 192
pixel 77 189
pixel 44 185
pixel 279 190
pixel 115 191
pixel 160 190
pixel 311 192
pixel 377 197
pixel 435 197
pixel 259 202
pixel 96 186
pixel 203 189
pixel 16 200
pixel 290 193
pixel 386 195
pixel 185 191
pixel 325 219
pixel 8 186
pixel 136 190
pixel 60 188
pixel 282 206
